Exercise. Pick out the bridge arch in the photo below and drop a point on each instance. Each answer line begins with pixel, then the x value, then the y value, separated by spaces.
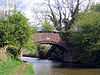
pixel 52 38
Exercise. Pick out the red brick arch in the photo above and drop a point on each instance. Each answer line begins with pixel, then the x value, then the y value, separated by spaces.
pixel 55 39
pixel 49 38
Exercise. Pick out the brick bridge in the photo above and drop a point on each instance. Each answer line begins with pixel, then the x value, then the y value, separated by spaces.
pixel 64 54
pixel 53 38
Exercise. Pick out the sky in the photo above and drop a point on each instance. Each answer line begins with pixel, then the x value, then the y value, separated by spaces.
pixel 26 6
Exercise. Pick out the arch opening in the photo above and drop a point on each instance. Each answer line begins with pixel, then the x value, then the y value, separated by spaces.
pixel 55 52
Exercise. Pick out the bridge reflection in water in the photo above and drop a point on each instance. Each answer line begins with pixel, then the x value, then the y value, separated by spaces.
pixel 46 67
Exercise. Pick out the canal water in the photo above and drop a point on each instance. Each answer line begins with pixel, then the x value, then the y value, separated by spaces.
pixel 47 67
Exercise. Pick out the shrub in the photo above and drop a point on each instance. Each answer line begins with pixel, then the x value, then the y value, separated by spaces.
pixel 87 38
pixel 13 52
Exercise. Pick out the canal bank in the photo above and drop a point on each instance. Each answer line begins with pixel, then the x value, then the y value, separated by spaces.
pixel 15 67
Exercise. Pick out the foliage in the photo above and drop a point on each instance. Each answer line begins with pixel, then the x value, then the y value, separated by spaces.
pixel 9 67
pixel 31 47
pixel 4 27
pixel 87 37
pixel 12 51
pixel 14 67
pixel 95 8
pixel 21 31
pixel 16 31
pixel 47 26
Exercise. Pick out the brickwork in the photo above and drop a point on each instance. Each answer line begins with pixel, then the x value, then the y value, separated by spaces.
pixel 49 38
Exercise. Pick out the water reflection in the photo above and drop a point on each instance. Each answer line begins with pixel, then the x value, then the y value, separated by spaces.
pixel 47 67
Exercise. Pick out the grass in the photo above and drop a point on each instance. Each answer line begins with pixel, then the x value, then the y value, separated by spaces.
pixel 9 67
pixel 14 67
pixel 29 70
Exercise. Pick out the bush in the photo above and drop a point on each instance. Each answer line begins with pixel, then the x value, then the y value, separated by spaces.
pixel 13 52
pixel 88 44
pixel 87 38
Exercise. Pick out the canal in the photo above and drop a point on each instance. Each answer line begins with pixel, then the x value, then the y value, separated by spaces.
pixel 47 67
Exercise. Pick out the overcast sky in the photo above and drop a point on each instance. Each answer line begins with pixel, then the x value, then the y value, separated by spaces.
pixel 27 5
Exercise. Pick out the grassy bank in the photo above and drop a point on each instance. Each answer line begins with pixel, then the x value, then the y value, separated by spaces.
pixel 9 67
pixel 13 67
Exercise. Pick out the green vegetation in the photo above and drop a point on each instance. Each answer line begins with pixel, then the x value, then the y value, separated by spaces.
pixel 14 67
pixel 15 35
pixel 22 33
pixel 47 27
pixel 9 67
pixel 96 8
pixel 29 70
pixel 87 36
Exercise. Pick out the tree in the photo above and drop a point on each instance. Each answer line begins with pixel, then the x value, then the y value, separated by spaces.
pixel 87 38
pixel 3 32
pixel 47 27
pixel 64 12
pixel 15 31
pixel 30 46
pixel 21 32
